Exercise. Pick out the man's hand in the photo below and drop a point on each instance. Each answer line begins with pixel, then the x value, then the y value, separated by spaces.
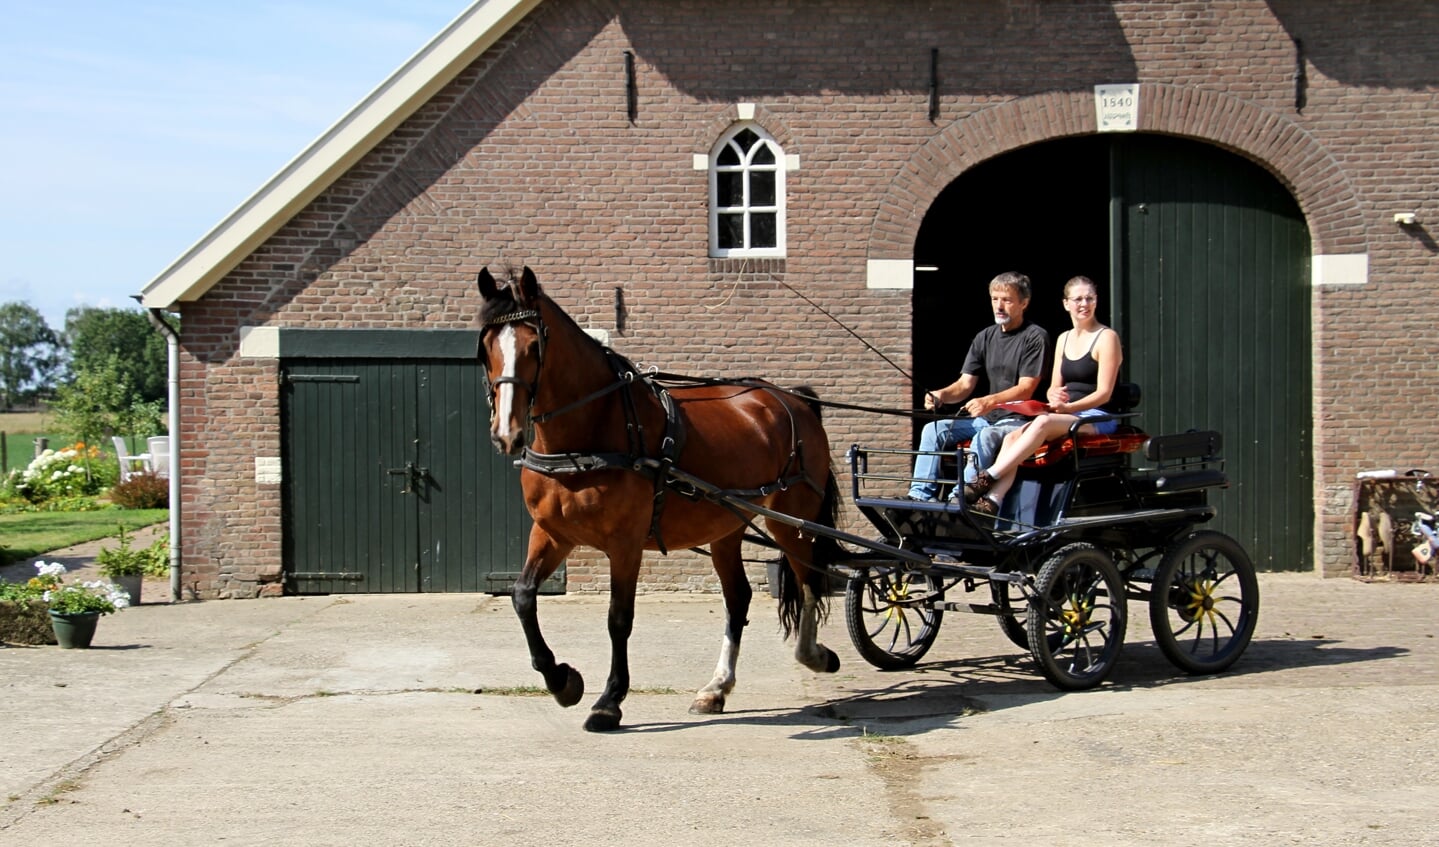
pixel 931 400
pixel 979 406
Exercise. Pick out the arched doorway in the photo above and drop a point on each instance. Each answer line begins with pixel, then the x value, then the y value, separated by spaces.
pixel 1205 258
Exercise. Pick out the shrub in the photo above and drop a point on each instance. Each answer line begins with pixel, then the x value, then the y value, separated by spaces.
pixel 142 491
pixel 59 504
pixel 67 472
pixel 122 561
pixel 157 556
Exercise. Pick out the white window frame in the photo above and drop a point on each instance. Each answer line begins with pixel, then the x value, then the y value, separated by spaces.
pixel 747 166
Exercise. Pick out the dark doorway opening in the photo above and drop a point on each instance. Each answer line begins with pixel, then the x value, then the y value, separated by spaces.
pixel 1202 260
pixel 1042 211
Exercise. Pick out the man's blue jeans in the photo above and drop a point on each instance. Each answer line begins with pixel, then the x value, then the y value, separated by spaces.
pixel 942 436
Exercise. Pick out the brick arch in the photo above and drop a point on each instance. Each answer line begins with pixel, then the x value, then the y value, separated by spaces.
pixel 1330 205
pixel 705 137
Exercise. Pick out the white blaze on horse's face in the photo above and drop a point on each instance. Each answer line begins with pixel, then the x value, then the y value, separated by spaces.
pixel 505 393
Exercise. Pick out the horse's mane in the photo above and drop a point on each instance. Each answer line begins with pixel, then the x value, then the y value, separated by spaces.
pixel 505 303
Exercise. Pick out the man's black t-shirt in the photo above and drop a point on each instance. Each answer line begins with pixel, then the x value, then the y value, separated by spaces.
pixel 1004 357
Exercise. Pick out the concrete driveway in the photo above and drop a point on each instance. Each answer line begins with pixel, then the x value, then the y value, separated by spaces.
pixel 413 720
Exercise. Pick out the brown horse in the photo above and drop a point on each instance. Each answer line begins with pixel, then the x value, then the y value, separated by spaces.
pixel 606 453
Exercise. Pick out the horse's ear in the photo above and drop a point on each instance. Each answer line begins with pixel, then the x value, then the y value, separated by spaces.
pixel 529 286
pixel 488 289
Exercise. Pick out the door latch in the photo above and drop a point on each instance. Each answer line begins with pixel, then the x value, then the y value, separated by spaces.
pixel 414 476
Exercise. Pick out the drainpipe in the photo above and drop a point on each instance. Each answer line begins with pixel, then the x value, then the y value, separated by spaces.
pixel 172 395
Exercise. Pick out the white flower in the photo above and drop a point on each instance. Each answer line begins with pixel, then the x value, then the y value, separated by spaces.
pixel 54 569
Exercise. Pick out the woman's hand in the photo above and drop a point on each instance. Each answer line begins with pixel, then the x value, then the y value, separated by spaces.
pixel 1057 395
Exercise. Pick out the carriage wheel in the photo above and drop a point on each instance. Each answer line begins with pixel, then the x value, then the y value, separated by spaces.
pixel 1204 603
pixel 891 617
pixel 1012 603
pixel 1076 626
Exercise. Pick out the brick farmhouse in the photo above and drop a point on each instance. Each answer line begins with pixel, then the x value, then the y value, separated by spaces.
pixel 590 139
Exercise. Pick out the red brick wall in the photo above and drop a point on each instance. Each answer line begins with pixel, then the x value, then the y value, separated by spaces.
pixel 528 158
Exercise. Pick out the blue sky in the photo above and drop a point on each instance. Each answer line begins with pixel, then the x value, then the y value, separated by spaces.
pixel 129 129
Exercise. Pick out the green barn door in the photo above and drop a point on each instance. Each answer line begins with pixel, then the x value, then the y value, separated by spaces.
pixel 391 484
pixel 472 509
pixel 1211 272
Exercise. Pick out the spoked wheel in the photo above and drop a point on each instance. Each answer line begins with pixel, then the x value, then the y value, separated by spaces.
pixel 1012 605
pixel 1076 627
pixel 1204 603
pixel 891 616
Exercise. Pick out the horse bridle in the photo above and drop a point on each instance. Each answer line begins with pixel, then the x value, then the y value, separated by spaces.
pixel 532 318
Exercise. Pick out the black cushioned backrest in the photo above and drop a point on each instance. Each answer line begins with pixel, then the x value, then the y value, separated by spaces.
pixel 1124 397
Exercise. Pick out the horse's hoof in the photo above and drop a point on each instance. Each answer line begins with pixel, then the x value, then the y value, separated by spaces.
pixel 708 704
pixel 573 688
pixel 603 720
pixel 824 660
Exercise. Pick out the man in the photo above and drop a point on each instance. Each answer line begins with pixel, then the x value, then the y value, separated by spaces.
pixel 1011 355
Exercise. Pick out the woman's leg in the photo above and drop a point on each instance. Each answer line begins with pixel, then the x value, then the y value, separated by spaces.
pixel 1020 445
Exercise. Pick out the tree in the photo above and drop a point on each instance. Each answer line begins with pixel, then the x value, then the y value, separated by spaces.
pixel 100 401
pixel 29 352
pixel 96 336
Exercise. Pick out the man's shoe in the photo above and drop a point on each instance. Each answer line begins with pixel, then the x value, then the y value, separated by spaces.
pixel 923 499
pixel 984 506
pixel 980 487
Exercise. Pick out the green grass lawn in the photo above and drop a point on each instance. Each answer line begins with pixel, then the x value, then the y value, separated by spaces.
pixel 20 448
pixel 29 534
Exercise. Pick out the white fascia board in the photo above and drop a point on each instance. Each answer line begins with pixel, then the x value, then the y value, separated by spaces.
pixel 334 152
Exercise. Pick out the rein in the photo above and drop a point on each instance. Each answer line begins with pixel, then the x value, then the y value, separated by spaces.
pixel 756 382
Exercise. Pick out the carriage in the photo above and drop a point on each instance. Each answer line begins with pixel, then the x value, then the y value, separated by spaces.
pixel 624 460
pixel 1096 520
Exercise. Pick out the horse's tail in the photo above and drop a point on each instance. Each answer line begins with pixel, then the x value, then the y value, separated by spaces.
pixel 825 551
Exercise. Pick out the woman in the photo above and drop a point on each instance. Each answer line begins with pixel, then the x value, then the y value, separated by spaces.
pixel 1086 366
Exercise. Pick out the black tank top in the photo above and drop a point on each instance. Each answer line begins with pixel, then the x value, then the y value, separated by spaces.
pixel 1081 376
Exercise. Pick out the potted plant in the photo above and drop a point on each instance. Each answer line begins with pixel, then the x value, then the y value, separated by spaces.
pixel 76 609
pixel 24 617
pixel 123 566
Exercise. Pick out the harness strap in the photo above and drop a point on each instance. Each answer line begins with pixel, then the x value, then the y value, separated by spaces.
pixel 670 447
pixel 567 463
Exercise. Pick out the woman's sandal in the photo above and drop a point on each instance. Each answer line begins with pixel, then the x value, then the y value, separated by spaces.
pixel 977 489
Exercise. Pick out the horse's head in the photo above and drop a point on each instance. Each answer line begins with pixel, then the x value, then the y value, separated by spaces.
pixel 512 347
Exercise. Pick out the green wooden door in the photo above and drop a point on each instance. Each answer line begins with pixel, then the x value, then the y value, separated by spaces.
pixel 1210 271
pixel 390 482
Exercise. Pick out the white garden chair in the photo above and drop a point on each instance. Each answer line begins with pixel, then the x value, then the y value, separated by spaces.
pixel 159 446
pixel 130 463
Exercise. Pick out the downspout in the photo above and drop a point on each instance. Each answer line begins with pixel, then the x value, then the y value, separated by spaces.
pixel 172 396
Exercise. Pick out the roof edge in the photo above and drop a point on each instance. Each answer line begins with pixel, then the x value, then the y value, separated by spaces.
pixel 300 181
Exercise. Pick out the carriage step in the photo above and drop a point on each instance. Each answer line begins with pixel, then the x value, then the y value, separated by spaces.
pixel 976 608
pixel 950 567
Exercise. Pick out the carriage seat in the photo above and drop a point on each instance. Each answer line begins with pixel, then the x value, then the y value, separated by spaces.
pixel 1125 439
pixel 1187 461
